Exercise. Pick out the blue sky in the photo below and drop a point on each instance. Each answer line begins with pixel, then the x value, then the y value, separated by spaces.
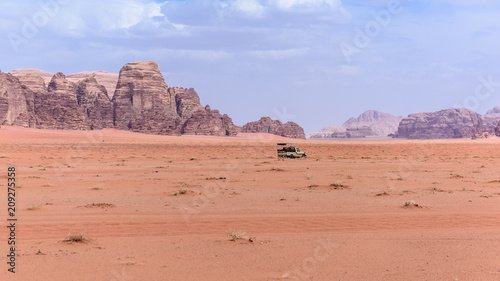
pixel 315 62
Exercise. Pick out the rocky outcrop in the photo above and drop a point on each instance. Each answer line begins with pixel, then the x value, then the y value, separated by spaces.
pixel 370 123
pixel 108 80
pixel 16 102
pixel 94 100
pixel 444 124
pixel 497 130
pixel 275 127
pixel 198 120
pixel 58 107
pixel 144 103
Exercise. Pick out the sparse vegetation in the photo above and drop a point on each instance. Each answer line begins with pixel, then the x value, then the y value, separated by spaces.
pixel 78 157
pixel 77 238
pixel 99 205
pixel 33 207
pixel 238 235
pixel 97 187
pixel 410 204
pixel 276 169
pixel 338 185
pixel 383 193
pixel 181 191
pixel 308 176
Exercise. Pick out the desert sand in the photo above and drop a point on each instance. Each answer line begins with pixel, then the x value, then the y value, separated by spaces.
pixel 162 208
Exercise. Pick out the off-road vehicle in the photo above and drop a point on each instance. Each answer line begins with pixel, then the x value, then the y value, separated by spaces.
pixel 290 150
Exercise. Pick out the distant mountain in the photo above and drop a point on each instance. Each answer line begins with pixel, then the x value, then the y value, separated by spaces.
pixel 370 123
pixel 494 111
pixel 449 123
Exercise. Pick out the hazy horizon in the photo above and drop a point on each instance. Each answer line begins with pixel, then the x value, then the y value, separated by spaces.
pixel 316 62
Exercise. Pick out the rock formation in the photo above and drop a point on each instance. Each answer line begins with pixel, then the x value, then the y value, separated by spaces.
pixel 58 108
pixel 16 102
pixel 93 98
pixel 497 130
pixel 448 123
pixel 108 80
pixel 370 123
pixel 144 103
pixel 275 127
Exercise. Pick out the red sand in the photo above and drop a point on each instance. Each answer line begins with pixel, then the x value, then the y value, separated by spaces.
pixel 337 215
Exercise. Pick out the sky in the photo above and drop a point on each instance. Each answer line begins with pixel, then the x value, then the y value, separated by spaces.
pixel 313 62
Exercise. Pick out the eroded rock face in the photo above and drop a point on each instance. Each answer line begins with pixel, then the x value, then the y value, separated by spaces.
pixel 142 101
pixel 444 124
pixel 497 130
pixel 58 108
pixel 275 127
pixel 16 102
pixel 94 100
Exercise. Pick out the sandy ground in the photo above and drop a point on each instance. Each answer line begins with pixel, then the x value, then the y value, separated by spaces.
pixel 337 215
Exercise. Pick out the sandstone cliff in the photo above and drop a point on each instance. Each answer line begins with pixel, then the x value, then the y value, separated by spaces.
pixel 60 107
pixel 16 102
pixel 448 123
pixel 144 103
pixel 275 127
pixel 108 80
pixel 94 100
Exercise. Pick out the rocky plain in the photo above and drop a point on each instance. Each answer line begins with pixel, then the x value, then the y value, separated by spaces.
pixel 147 183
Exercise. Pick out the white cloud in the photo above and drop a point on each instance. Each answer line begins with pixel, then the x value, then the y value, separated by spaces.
pixel 287 5
pixel 279 54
